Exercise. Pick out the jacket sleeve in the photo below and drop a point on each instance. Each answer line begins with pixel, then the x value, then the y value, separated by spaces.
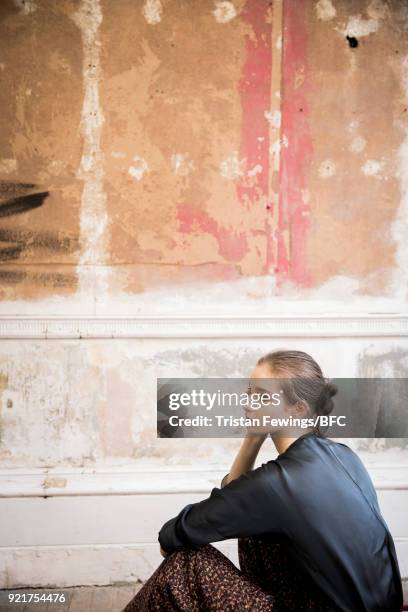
pixel 249 505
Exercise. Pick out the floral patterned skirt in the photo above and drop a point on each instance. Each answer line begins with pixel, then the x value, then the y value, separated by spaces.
pixel 206 580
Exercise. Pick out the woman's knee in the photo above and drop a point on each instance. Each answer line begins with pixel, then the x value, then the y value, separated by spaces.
pixel 185 554
pixel 198 557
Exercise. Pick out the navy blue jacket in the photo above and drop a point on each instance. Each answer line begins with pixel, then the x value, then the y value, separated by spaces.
pixel 320 496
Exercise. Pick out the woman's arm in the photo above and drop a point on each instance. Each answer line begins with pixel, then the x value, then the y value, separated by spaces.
pixel 246 457
pixel 243 463
pixel 248 506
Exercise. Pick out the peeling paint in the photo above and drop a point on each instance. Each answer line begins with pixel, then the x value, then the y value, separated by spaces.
pixel 358 144
pixel 224 11
pixel 49 405
pixel 283 142
pixel 181 164
pixel 139 168
pixel 306 197
pixel 378 9
pixel 94 219
pixel 152 11
pixel 274 118
pixel 82 403
pixel 255 89
pixel 399 228
pixel 372 167
pixel 232 245
pixel 325 10
pixel 327 168
pixel 255 170
pixel 56 167
pixel 357 26
pixel 274 150
pixel 25 6
pixel 8 165
pixel 232 167
pixel 245 141
pixel 353 125
pixel 293 225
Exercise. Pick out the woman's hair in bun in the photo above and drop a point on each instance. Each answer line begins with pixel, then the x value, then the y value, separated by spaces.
pixel 325 404
pixel 302 380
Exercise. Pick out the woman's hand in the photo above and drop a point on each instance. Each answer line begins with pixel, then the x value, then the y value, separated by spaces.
pixel 163 552
pixel 257 439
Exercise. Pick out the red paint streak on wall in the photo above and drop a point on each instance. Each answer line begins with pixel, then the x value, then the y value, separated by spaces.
pixel 293 214
pixel 231 246
pixel 255 94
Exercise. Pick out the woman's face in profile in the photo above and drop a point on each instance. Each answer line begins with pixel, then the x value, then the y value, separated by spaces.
pixel 267 392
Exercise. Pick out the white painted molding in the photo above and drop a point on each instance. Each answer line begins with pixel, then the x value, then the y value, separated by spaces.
pixel 77 539
pixel 55 482
pixel 342 325
pixel 67 565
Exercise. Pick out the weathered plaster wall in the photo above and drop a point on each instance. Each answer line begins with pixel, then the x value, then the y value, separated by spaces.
pixel 188 157
pixel 93 402
pixel 357 115
pixel 40 198
pixel 153 145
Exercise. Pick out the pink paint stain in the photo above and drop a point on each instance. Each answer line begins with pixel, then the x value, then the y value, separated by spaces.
pixel 293 213
pixel 231 245
pixel 254 88
pixel 255 95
